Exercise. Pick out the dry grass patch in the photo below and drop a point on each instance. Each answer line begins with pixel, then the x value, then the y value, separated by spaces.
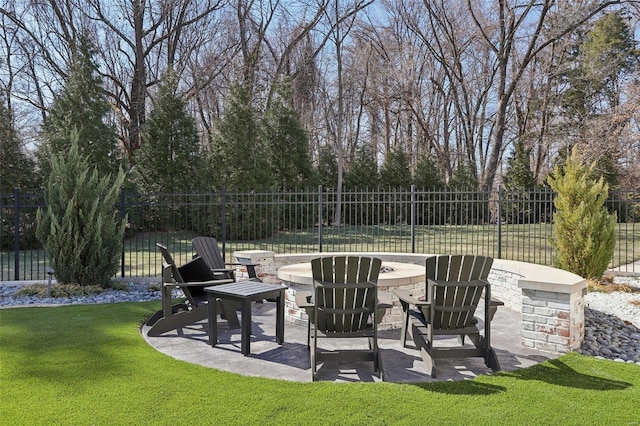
pixel 65 290
pixel 606 285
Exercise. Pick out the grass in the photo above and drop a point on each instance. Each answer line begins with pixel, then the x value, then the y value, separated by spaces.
pixel 89 365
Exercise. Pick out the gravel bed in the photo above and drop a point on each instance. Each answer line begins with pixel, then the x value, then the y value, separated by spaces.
pixel 612 323
pixel 135 292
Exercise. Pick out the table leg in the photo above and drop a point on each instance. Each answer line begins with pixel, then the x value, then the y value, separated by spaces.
pixel 246 327
pixel 280 318
pixel 213 321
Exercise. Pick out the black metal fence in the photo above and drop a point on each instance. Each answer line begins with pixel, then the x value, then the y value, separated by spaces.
pixel 504 224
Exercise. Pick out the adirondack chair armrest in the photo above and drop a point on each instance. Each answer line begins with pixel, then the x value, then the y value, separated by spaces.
pixel 493 307
pixel 384 302
pixel 407 299
pixel 496 302
pixel 222 270
pixel 204 283
pixel 304 299
pixel 241 264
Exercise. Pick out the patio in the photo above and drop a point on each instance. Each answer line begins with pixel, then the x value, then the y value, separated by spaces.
pixel 291 360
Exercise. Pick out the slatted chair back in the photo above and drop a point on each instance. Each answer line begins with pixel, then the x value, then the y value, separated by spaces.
pixel 457 268
pixel 456 292
pixel 345 293
pixel 344 307
pixel 195 270
pixel 346 269
pixel 169 264
pixel 454 304
pixel 207 248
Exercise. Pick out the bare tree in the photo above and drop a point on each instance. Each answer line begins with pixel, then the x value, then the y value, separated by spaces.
pixel 504 36
pixel 149 38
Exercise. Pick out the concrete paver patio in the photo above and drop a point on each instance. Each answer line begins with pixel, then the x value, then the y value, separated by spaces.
pixel 291 360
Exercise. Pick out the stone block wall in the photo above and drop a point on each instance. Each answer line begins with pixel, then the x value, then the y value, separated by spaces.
pixel 504 287
pixel 551 300
pixel 264 259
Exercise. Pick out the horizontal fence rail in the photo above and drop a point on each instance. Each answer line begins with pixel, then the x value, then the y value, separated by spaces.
pixel 515 225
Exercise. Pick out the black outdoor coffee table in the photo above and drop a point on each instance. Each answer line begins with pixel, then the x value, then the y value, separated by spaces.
pixel 245 292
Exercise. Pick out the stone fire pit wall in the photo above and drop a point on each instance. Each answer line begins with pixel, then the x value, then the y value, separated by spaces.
pixel 551 300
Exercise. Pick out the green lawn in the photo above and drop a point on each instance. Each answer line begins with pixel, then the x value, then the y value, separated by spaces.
pixel 82 365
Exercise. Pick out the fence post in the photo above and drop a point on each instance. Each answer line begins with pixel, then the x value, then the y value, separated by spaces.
pixel 413 218
pixel 122 216
pixel 16 234
pixel 224 222
pixel 2 210
pixel 320 218
pixel 499 219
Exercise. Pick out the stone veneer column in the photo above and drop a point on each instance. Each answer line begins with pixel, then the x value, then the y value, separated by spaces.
pixel 551 301
pixel 553 312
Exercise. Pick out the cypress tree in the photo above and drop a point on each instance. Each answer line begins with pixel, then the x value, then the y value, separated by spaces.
pixel 287 142
pixel 81 107
pixel 328 168
pixel 240 157
pixel 427 175
pixel 519 175
pixel 584 232
pixel 169 160
pixel 395 172
pixel 520 184
pixel 80 228
pixel 363 170
pixel 468 205
pixel 427 178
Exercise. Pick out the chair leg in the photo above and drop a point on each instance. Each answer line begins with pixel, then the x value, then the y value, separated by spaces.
pixel 313 359
pixel 378 361
pixel 491 360
pixel 178 320
pixel 373 347
pixel 429 362
pixel 424 345
pixel 405 324
pixel 476 339
pixel 228 309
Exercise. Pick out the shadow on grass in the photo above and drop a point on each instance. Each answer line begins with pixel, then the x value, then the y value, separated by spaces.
pixel 556 372
pixel 463 387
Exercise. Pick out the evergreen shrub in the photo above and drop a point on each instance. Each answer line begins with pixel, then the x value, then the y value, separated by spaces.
pixel 584 230
pixel 80 227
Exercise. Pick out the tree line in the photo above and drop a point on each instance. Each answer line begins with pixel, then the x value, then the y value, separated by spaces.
pixel 248 95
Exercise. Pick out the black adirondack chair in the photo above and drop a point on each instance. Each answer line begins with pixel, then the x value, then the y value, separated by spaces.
pixel 455 285
pixel 207 248
pixel 344 305
pixel 191 278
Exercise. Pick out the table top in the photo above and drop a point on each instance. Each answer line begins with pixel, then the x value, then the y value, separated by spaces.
pixel 391 273
pixel 244 288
